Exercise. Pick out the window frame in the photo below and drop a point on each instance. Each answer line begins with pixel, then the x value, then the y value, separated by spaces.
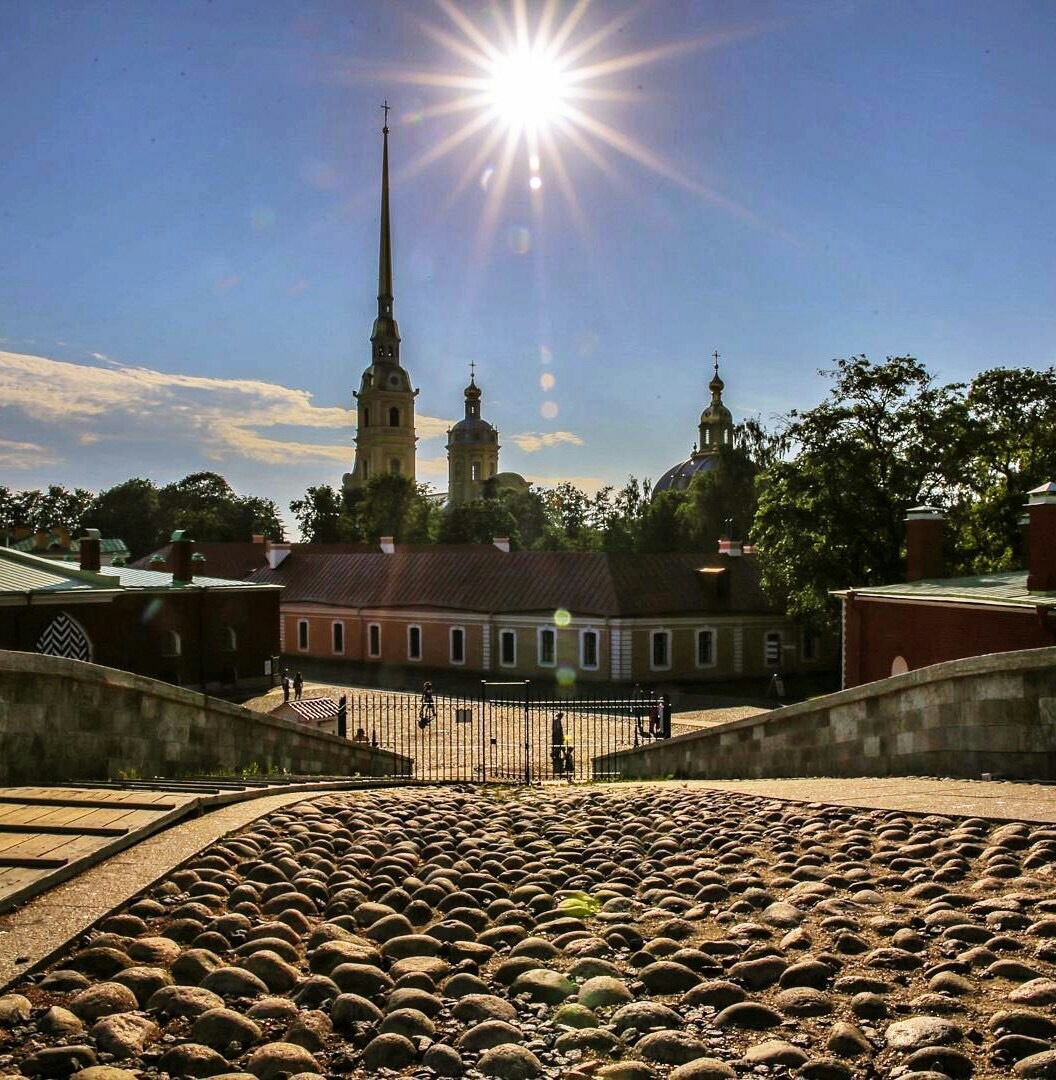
pixel 337 629
pixel 589 630
pixel 540 635
pixel 372 652
pixel 451 644
pixel 394 414
pixel 172 644
pixel 411 628
pixel 713 634
pixel 229 639
pixel 767 638
pixel 653 636
pixel 304 638
pixel 504 633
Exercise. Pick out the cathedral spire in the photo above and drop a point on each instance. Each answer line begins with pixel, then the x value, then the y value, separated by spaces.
pixel 385 296
pixel 386 334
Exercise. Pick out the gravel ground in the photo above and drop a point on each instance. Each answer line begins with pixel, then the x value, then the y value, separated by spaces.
pixel 626 933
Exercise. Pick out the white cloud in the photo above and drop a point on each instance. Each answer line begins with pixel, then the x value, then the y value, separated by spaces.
pixel 25 455
pixel 531 441
pixel 222 418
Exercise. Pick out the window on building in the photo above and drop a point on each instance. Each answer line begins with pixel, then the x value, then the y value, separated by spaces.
pixel 661 649
pixel 507 648
pixel 337 637
pixel 772 651
pixel 458 645
pixel 547 646
pixel 810 645
pixel 228 639
pixel 394 417
pixel 705 648
pixel 414 643
pixel 171 645
pixel 366 416
pixel 366 469
pixel 394 466
pixel 374 640
pixel 475 470
pixel 588 649
pixel 302 634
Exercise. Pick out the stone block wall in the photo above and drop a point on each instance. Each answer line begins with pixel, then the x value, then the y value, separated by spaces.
pixel 994 714
pixel 66 720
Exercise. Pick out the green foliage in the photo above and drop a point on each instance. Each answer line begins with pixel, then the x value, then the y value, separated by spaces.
pixel 128 511
pixel 206 507
pixel 478 522
pixel 396 506
pixel 323 518
pixel 579 905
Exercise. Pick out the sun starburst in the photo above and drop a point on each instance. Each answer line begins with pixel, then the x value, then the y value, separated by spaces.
pixel 525 92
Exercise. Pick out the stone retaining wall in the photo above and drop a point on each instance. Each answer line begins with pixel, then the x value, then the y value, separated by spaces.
pixel 986 714
pixel 66 720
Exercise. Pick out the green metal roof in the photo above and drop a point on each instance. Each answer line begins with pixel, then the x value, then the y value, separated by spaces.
pixel 1005 588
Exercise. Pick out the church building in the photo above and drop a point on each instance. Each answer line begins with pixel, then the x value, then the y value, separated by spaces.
pixel 715 431
pixel 385 438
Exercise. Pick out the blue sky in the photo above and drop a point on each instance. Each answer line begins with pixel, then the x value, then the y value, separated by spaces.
pixel 189 201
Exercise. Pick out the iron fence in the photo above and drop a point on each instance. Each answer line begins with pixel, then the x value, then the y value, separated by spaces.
pixel 506 734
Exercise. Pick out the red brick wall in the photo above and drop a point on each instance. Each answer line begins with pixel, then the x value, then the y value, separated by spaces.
pixel 925 634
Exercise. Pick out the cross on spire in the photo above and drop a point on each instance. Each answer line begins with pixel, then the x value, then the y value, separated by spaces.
pixel 472 370
pixel 385 109
pixel 716 355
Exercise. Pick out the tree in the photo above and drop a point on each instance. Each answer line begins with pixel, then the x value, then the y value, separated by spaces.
pixel 478 522
pixel 717 501
pixel 207 508
pixel 398 507
pixel 885 439
pixel 321 516
pixel 1011 443
pixel 128 512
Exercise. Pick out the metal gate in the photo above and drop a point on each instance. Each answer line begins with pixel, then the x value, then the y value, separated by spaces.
pixel 506 734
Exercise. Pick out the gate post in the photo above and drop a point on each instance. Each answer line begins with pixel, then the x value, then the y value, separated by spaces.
pixel 527 732
pixel 665 715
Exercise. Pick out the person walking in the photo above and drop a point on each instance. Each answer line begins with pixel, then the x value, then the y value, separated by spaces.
pixel 298 686
pixel 285 686
pixel 557 743
pixel 427 709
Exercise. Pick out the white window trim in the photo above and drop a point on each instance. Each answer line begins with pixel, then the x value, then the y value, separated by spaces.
pixel 513 633
pixel 451 644
pixel 230 639
pixel 333 626
pixel 583 652
pixel 371 654
pixel 421 643
pixel 173 644
pixel 652 636
pixel 539 632
pixel 776 664
pixel 714 646
pixel 307 635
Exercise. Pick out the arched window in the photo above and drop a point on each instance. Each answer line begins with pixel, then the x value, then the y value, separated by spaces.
pixel 64 636
pixel 707 436
pixel 394 417
pixel 366 416
pixel 228 639
pixel 171 644
pixel 475 470
pixel 899 666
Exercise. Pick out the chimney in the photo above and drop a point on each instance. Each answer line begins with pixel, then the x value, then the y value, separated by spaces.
pixel 502 543
pixel 275 553
pixel 258 538
pixel 388 545
pixel 40 540
pixel 732 548
pixel 924 528
pixel 90 550
pixel 180 558
pixel 1041 567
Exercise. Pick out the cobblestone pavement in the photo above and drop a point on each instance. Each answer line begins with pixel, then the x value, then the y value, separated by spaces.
pixel 627 932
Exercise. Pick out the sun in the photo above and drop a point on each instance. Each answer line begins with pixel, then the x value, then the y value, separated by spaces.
pixel 529 85
pixel 527 90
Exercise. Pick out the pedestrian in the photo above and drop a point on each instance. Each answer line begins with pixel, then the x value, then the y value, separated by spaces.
pixel 427 710
pixel 298 686
pixel 557 743
pixel 777 686
pixel 655 727
pixel 569 762
pixel 285 686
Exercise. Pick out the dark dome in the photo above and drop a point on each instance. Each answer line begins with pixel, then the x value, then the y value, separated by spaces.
pixel 680 476
pixel 472 429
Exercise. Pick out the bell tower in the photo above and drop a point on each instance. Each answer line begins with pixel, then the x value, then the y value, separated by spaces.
pixel 716 421
pixel 472 450
pixel 385 438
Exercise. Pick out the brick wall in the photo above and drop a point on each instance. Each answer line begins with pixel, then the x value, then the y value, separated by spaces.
pixel 65 720
pixel 994 714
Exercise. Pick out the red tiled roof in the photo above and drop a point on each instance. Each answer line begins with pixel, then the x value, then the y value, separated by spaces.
pixel 232 560
pixel 484 579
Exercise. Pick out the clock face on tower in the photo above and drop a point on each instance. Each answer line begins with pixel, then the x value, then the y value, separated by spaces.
pixel 394 380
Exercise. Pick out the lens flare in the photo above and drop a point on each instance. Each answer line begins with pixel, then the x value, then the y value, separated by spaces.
pixel 549 410
pixel 526 89
pixel 546 382
pixel 562 617
pixel 566 676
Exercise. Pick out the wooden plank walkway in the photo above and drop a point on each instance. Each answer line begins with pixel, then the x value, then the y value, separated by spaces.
pixel 50 834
